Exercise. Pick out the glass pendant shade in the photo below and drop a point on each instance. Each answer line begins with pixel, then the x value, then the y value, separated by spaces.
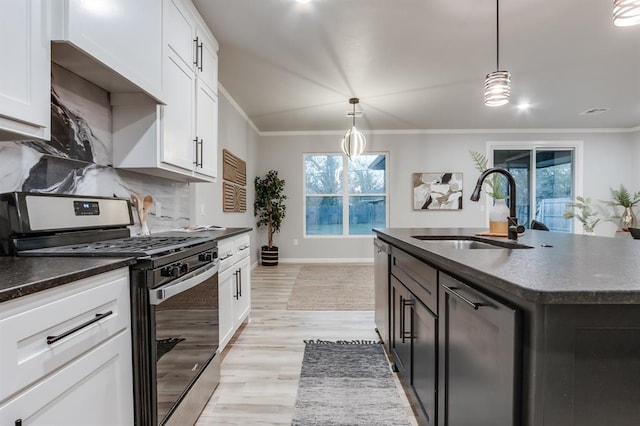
pixel 353 143
pixel 497 88
pixel 626 13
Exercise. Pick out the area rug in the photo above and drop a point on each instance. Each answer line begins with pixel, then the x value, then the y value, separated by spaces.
pixel 333 288
pixel 347 383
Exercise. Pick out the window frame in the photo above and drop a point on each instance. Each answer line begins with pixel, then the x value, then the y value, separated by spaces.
pixel 576 145
pixel 345 195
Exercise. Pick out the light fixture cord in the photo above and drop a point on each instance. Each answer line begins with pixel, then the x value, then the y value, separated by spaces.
pixel 354 115
pixel 497 35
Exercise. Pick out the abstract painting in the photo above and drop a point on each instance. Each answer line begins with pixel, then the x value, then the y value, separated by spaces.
pixel 437 191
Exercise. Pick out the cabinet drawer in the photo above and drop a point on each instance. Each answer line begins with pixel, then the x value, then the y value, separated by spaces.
pixel 242 246
pixel 27 323
pixel 417 276
pixel 225 253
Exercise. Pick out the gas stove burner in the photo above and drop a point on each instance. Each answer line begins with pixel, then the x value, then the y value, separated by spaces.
pixel 122 247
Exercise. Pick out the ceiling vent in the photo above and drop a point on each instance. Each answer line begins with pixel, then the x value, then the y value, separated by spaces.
pixel 594 111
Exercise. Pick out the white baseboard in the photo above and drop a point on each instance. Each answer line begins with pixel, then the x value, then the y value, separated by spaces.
pixel 327 260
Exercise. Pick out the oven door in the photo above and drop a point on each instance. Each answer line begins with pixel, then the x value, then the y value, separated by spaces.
pixel 185 314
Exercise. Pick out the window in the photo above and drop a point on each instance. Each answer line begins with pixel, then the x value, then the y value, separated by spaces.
pixel 546 178
pixel 344 197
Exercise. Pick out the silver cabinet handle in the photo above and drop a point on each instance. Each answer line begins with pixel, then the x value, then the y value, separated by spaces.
pixel 226 256
pixel 451 290
pixel 243 247
pixel 159 295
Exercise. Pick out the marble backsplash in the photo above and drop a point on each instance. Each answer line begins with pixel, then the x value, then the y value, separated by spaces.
pixel 77 160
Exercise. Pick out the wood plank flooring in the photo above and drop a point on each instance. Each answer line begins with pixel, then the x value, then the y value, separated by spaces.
pixel 261 365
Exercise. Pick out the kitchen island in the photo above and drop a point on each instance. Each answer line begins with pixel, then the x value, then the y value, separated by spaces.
pixel 545 331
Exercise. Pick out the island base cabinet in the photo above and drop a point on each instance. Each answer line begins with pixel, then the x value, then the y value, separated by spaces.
pixel 479 365
pixel 413 347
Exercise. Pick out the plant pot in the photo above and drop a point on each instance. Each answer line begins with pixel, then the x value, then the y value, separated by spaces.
pixel 269 256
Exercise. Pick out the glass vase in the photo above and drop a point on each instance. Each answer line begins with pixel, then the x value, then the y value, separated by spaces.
pixel 498 214
pixel 628 219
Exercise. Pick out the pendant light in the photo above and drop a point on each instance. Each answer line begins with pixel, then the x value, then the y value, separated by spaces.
pixel 353 142
pixel 626 13
pixel 497 86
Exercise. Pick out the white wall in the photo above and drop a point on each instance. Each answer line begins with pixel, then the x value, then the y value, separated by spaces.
pixel 636 162
pixel 608 159
pixel 238 136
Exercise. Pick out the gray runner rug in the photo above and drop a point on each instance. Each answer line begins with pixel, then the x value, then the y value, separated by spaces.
pixel 347 383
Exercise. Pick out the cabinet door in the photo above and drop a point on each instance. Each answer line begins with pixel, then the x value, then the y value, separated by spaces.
pixel 424 368
pixel 180 30
pixel 207 60
pixel 479 358
pixel 207 131
pixel 124 35
pixel 95 389
pixel 243 293
pixel 401 328
pixel 25 105
pixel 226 292
pixel 178 141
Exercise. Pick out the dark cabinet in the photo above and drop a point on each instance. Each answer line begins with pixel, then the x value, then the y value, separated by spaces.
pixel 479 357
pixel 381 289
pixel 414 331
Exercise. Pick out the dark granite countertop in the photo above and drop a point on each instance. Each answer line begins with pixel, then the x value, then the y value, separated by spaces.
pixel 21 276
pixel 576 269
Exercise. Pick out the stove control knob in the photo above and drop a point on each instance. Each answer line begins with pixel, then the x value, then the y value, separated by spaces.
pixel 184 268
pixel 206 257
pixel 172 271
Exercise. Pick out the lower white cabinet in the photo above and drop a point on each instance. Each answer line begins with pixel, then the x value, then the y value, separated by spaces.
pixel 234 283
pixel 65 356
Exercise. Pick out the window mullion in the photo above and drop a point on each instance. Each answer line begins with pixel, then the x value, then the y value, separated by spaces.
pixel 345 195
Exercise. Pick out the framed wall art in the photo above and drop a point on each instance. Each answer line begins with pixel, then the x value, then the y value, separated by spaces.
pixel 437 191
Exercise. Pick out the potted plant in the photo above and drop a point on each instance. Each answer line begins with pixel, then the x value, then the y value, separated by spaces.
pixel 270 210
pixel 493 187
pixel 581 209
pixel 622 197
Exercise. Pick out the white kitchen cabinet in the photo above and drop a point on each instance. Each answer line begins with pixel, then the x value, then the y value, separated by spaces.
pixel 65 349
pixel 234 283
pixel 116 44
pixel 25 80
pixel 178 140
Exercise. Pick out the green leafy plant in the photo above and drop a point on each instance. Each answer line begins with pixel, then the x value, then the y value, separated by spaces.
pixel 269 205
pixel 582 210
pixel 622 197
pixel 493 183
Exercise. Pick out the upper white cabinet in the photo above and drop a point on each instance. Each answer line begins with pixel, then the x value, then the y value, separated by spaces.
pixel 178 140
pixel 116 44
pixel 25 73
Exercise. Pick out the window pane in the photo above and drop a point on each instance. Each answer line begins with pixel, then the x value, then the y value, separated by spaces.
pixel 554 188
pixel 518 163
pixel 366 213
pixel 324 216
pixel 366 174
pixel 323 174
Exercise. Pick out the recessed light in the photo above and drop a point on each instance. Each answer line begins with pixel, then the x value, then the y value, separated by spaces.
pixel 523 106
pixel 303 1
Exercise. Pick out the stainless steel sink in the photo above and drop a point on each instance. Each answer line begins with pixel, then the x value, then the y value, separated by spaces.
pixel 468 242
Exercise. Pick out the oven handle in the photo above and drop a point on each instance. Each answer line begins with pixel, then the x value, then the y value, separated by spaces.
pixel 184 283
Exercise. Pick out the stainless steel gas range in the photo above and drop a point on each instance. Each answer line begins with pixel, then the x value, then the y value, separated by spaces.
pixel 174 293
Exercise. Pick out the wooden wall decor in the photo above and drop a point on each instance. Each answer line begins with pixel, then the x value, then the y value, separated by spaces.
pixel 234 198
pixel 233 168
pixel 234 190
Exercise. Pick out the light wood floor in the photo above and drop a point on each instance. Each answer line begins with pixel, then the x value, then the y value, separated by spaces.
pixel 261 366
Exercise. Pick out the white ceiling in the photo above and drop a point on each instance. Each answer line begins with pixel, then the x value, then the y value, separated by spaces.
pixel 421 64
